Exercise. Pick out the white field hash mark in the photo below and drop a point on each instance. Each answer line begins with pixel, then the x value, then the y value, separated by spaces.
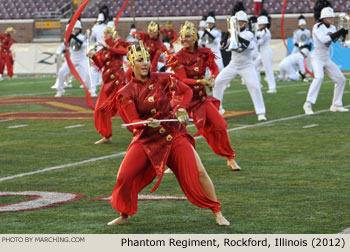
pixel 74 126
pixel 17 126
pixel 120 154
pixel 310 126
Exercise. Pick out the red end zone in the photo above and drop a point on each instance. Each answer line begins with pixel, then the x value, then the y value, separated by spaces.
pixel 63 108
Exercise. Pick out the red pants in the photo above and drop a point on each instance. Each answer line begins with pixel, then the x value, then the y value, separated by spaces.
pixel 8 60
pixel 103 122
pixel 136 172
pixel 215 133
pixel 103 116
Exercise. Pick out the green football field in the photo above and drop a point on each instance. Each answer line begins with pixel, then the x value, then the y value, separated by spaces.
pixel 295 173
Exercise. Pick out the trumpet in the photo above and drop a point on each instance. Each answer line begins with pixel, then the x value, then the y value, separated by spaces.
pixel 234 30
pixel 344 22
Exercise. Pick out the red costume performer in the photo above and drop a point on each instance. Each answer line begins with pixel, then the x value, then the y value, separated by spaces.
pixel 190 64
pixel 170 33
pixel 153 44
pixel 110 60
pixel 154 146
pixel 5 54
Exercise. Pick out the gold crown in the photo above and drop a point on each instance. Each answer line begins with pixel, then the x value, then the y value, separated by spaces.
pixel 153 27
pixel 108 30
pixel 189 29
pixel 10 30
pixel 134 54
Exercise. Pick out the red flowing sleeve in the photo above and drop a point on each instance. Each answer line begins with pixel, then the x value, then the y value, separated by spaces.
pixel 179 70
pixel 141 35
pixel 120 50
pixel 128 112
pixel 97 60
pixel 182 89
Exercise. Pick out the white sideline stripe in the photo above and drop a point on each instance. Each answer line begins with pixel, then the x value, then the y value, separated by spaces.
pixel 74 126
pixel 310 126
pixel 17 126
pixel 284 86
pixel 62 166
pixel 123 153
pixel 7 120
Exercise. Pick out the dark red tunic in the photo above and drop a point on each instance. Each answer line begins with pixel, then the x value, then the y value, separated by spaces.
pixel 113 76
pixel 153 148
pixel 191 67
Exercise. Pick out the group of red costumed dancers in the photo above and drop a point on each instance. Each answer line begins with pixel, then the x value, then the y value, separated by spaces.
pixel 143 97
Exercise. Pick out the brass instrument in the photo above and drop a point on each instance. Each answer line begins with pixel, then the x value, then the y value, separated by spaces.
pixel 234 30
pixel 344 22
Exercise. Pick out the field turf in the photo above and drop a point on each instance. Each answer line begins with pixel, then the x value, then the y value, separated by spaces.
pixel 294 179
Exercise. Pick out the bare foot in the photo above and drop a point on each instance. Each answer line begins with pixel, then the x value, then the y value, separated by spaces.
pixel 233 165
pixel 123 219
pixel 168 171
pixel 221 220
pixel 104 140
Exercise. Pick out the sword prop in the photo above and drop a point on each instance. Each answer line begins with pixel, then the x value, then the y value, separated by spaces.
pixel 146 122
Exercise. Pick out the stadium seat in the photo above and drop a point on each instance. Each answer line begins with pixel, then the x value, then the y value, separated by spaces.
pixel 18 8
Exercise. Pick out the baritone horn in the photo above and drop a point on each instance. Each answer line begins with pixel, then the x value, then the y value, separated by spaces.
pixel 234 30
pixel 344 22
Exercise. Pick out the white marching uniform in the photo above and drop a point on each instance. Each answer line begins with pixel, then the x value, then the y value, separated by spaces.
pixel 242 64
pixel 201 38
pixel 265 57
pixel 214 45
pixel 96 36
pixel 79 60
pixel 290 66
pixel 97 33
pixel 301 37
pixel 321 62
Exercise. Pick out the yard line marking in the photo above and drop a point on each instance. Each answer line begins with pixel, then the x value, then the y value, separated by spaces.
pixel 74 126
pixel 284 86
pixel 7 120
pixel 17 126
pixel 302 92
pixel 42 93
pixel 23 83
pixel 123 153
pixel 62 166
pixel 310 126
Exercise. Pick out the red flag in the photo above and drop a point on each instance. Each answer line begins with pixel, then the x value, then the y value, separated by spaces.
pixel 69 62
pixel 120 13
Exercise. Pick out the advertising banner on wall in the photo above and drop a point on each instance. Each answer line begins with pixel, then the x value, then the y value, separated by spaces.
pixel 35 58
pixel 338 54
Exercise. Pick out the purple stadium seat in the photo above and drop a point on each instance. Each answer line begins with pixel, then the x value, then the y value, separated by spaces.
pixel 24 8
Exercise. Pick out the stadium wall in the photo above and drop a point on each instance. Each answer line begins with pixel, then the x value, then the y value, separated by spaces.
pixel 25 28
